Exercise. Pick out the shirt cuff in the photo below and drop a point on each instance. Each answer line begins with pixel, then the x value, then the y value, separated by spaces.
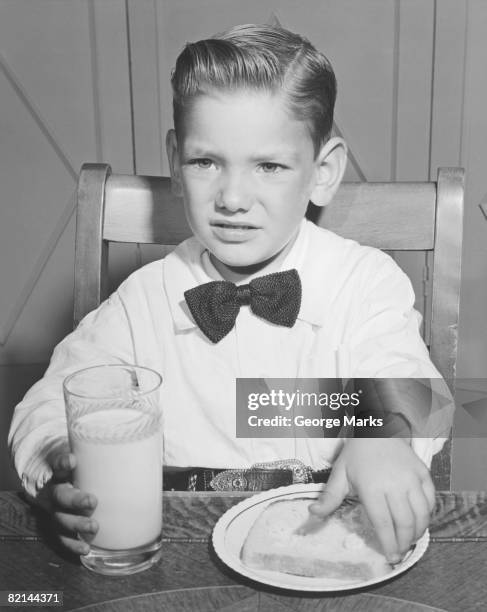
pixel 35 471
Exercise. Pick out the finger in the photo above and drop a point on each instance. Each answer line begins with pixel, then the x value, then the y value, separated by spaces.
pixel 68 498
pixel 333 494
pixel 429 492
pixel 420 506
pixel 379 514
pixel 404 521
pixel 78 547
pixel 72 524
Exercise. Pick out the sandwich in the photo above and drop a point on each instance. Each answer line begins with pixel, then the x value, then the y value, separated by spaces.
pixel 344 547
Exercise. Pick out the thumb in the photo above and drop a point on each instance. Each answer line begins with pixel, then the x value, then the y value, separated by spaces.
pixel 62 465
pixel 335 491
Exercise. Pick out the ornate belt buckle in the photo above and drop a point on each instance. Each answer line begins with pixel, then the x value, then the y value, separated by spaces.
pixel 236 480
pixel 230 480
pixel 301 472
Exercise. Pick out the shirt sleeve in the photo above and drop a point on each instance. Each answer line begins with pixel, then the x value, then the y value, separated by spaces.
pixel 38 426
pixel 386 343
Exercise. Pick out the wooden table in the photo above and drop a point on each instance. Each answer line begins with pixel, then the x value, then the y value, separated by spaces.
pixel 451 576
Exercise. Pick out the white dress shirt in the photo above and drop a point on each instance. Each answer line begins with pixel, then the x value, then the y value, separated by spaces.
pixel 356 320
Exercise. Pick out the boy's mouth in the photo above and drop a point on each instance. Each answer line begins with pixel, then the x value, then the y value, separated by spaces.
pixel 233 225
pixel 234 231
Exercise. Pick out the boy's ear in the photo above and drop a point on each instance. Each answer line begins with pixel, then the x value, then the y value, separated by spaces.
pixel 332 161
pixel 173 158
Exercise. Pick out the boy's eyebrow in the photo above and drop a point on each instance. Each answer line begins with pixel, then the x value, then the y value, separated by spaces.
pixel 200 150
pixel 287 154
pixel 196 149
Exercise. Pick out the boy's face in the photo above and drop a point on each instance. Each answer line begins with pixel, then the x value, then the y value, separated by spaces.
pixel 247 171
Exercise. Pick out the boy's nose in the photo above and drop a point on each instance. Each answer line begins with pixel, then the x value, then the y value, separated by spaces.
pixel 233 193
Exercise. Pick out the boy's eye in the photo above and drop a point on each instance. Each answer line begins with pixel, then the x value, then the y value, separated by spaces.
pixel 271 167
pixel 202 162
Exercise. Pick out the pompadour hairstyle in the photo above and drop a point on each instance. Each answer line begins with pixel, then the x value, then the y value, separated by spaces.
pixel 259 58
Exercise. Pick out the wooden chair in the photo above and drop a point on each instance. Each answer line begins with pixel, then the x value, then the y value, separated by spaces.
pixel 389 216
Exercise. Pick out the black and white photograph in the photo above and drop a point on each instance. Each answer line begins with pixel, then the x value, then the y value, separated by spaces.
pixel 243 282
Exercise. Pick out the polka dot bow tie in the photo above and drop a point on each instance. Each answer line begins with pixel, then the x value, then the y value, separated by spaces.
pixel 275 297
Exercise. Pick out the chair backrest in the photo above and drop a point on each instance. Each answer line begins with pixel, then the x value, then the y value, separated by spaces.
pixel 425 216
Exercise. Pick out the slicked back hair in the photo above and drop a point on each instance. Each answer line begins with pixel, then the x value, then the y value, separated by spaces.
pixel 259 58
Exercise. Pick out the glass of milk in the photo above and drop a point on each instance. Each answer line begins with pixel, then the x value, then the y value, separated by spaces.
pixel 114 426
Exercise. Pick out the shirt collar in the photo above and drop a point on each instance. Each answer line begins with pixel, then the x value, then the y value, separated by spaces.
pixel 188 266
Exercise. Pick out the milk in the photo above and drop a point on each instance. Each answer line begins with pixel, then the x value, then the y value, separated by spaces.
pixel 119 459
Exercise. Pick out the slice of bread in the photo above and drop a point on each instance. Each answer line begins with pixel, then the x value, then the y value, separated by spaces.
pixel 344 548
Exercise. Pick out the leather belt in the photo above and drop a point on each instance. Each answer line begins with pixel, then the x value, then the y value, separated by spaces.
pixel 259 477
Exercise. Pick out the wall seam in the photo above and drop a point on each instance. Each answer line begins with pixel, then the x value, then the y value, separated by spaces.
pixel 395 91
pixel 95 79
pixel 131 86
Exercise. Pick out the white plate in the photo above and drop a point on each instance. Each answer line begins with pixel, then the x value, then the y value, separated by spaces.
pixel 232 528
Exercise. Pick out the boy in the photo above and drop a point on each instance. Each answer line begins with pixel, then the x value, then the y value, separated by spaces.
pixel 253 112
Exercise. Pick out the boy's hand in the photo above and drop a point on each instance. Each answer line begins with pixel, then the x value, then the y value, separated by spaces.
pixel 70 508
pixel 393 484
